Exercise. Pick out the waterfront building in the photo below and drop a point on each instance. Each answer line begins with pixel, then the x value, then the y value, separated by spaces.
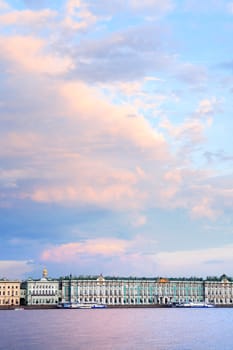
pixel 131 291
pixel 117 291
pixel 179 290
pixel 9 293
pixel 219 291
pixel 128 291
pixel 44 291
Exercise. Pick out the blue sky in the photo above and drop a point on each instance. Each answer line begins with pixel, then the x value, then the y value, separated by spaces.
pixel 115 137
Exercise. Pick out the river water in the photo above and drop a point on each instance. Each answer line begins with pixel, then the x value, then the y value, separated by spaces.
pixel 117 329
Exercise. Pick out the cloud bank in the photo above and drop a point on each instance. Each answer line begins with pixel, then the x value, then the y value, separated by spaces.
pixel 106 108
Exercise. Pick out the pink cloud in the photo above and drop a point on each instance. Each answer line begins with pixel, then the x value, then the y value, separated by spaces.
pixel 118 195
pixel 27 17
pixel 174 175
pixel 112 121
pixel 208 106
pixel 78 16
pixel 139 220
pixel 111 254
pixel 191 130
pixel 36 60
pixel 20 143
pixel 73 251
pixel 204 210
pixel 87 166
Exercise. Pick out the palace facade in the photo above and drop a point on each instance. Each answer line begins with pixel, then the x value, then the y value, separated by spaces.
pixel 132 291
pixel 219 292
pixel 116 291
pixel 44 291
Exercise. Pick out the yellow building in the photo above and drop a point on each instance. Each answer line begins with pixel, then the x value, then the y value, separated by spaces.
pixel 9 293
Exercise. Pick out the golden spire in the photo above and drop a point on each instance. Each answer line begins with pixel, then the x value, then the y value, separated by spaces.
pixel 45 272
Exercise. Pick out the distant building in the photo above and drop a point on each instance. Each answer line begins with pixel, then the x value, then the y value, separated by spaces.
pixel 117 291
pixel 9 293
pixel 178 291
pixel 130 291
pixel 44 291
pixel 219 292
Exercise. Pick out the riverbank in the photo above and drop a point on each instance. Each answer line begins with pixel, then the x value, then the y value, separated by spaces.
pixel 52 307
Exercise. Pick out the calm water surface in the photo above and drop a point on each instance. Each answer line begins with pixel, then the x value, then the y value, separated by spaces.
pixel 160 329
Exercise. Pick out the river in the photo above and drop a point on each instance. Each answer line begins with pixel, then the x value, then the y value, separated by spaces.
pixel 117 329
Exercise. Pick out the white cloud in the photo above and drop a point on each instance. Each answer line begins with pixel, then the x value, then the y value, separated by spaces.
pixel 15 269
pixel 200 262
pixel 209 106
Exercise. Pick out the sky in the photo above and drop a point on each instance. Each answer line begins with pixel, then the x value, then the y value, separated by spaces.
pixel 116 147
